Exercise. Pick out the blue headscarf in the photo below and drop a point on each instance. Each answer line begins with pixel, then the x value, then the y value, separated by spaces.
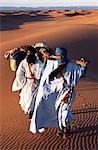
pixel 62 51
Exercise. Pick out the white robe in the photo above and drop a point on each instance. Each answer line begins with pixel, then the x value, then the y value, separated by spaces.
pixel 23 82
pixel 47 112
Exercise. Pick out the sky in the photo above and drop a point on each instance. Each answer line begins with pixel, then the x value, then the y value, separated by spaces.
pixel 47 3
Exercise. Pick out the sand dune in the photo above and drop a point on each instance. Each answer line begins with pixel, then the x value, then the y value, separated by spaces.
pixel 78 32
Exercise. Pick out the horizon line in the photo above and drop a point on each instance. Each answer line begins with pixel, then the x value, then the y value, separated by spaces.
pixel 53 6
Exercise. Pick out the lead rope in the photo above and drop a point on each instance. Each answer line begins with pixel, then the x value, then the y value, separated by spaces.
pixel 61 72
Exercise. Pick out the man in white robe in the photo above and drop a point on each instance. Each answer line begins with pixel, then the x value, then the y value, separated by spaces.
pixel 23 80
pixel 27 76
pixel 54 86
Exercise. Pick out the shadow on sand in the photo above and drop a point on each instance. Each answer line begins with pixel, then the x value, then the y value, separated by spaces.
pixel 82 136
pixel 76 14
pixel 12 20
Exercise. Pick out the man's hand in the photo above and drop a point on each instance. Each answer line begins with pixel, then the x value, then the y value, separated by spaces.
pixel 83 62
pixel 7 55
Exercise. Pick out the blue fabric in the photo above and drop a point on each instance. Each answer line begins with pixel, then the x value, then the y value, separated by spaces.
pixel 47 115
pixel 61 51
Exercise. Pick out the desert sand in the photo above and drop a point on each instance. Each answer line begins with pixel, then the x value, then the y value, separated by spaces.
pixel 78 32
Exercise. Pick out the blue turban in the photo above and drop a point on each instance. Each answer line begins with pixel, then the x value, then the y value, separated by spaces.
pixel 63 52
